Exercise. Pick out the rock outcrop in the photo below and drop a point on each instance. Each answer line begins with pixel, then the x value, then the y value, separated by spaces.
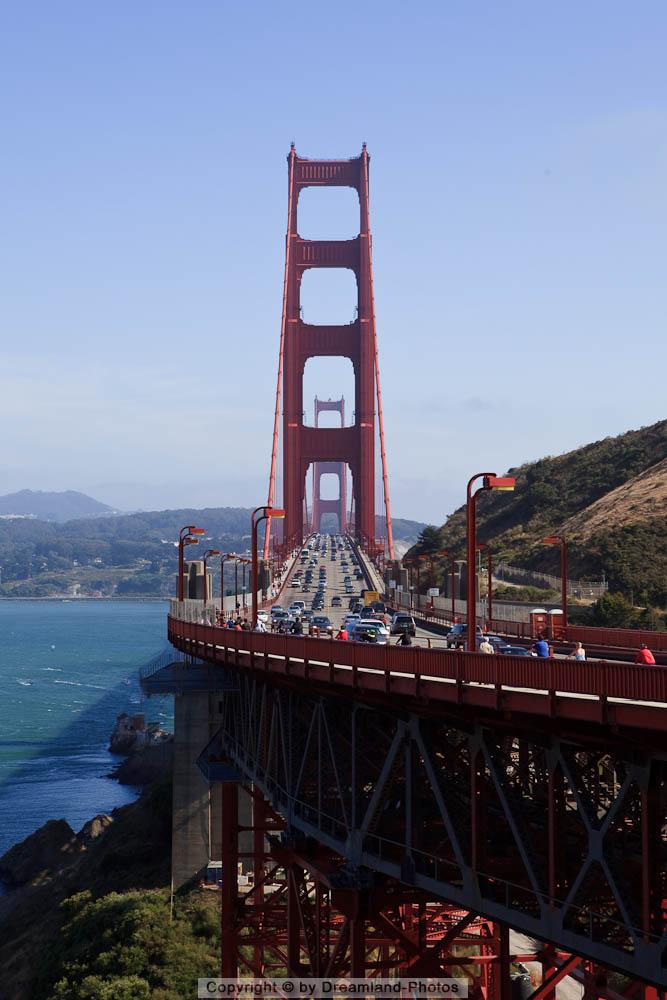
pixel 49 849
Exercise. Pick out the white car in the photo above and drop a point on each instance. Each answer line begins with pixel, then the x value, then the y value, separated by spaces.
pixel 296 607
pixel 376 623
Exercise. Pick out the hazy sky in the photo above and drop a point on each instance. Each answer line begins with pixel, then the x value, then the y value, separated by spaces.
pixel 519 212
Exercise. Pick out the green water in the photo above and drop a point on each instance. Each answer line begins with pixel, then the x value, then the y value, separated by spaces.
pixel 67 669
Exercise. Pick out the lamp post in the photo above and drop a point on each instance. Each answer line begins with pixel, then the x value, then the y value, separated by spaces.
pixel 244 564
pixel 206 556
pixel 559 540
pixel 481 547
pixel 187 536
pixel 264 513
pixel 227 555
pixel 490 481
pixel 422 559
pixel 452 567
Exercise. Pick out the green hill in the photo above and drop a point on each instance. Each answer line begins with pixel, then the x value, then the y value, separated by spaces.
pixel 608 499
pixel 128 555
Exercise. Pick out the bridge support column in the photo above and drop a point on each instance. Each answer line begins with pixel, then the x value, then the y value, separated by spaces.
pixel 230 857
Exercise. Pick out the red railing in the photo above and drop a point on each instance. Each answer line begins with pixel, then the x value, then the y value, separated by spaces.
pixel 589 635
pixel 537 684
pixel 620 638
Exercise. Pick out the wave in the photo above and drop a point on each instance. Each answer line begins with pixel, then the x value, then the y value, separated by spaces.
pixel 54 669
pixel 25 684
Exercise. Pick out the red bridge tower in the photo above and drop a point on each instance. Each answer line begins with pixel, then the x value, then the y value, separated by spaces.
pixel 338 469
pixel 353 446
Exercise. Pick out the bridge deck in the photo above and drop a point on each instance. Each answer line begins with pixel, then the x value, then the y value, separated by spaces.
pixel 616 694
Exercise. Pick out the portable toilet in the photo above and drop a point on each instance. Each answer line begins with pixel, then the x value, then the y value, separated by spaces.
pixel 556 624
pixel 539 621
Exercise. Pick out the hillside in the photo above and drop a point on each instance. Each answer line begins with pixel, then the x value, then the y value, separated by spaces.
pixel 609 499
pixel 129 555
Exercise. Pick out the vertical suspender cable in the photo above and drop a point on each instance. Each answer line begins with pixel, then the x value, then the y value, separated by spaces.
pixel 385 481
pixel 283 323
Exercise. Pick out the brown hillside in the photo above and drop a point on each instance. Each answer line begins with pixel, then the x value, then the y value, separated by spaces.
pixel 640 500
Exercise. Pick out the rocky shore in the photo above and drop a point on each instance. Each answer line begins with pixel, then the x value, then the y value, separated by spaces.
pixel 127 849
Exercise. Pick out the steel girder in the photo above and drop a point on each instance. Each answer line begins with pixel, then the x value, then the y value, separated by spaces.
pixel 307 913
pixel 561 839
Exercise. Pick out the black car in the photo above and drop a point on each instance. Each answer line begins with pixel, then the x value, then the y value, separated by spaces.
pixel 335 602
pixel 457 636
pixel 514 651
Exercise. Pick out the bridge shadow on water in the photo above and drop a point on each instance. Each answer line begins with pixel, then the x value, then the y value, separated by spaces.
pixel 68 774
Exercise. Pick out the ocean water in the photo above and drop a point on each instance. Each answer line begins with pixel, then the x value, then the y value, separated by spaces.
pixel 67 669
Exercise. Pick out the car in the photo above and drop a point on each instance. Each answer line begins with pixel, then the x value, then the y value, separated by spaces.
pixel 335 602
pixel 497 642
pixel 368 633
pixel 402 622
pixel 375 623
pixel 457 636
pixel 279 616
pixel 322 622
pixel 307 615
pixel 347 578
pixel 296 607
pixel 305 589
pixel 515 651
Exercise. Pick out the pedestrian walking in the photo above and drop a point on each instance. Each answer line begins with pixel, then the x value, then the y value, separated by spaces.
pixel 644 655
pixel 578 653
pixel 485 646
pixel 404 640
pixel 343 635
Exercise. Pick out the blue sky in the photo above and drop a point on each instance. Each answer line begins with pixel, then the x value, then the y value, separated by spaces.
pixel 519 214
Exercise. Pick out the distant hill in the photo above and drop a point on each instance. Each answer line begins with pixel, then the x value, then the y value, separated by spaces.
pixel 47 506
pixel 608 499
pixel 127 554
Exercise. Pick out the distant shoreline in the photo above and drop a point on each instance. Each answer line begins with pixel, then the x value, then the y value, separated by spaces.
pixel 85 600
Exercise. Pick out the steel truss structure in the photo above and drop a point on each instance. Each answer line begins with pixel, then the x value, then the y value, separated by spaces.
pixel 559 835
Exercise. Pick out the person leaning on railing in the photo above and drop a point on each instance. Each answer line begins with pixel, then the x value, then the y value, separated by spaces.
pixel 644 655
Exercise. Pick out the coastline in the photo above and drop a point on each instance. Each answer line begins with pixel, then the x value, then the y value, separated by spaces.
pixel 87 600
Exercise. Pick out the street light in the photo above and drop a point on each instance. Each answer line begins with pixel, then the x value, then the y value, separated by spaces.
pixel 422 559
pixel 227 555
pixel 207 554
pixel 489 579
pixel 244 563
pixel 558 540
pixel 490 481
pixel 448 554
pixel 266 512
pixel 184 538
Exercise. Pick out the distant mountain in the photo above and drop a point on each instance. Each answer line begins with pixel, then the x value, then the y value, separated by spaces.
pixel 48 506
pixel 608 499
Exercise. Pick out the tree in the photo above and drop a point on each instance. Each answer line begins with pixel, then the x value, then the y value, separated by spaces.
pixel 614 611
pixel 430 539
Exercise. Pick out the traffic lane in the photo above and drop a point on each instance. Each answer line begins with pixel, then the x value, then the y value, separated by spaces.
pixel 335 584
